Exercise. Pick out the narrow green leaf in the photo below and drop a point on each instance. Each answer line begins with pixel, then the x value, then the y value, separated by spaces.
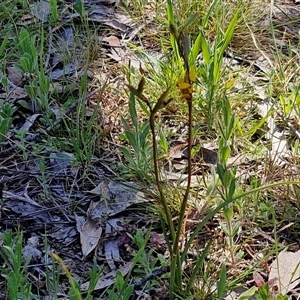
pixel 186 41
pixel 225 154
pixel 249 293
pixel 125 124
pixel 174 31
pixel 136 93
pixel 127 155
pixel 226 111
pixel 190 20
pixel 4 43
pixel 217 65
pixel 228 177
pixel 141 85
pixel 5 125
pixel 222 282
pixel 228 214
pixel 162 101
pixel 132 139
pixel 206 52
pixel 220 170
pixel 229 33
pixel 170 11
pixel 223 135
pixel 79 8
pixel 196 48
pixel 231 190
pixel 212 7
pixel 231 127
pixel 133 112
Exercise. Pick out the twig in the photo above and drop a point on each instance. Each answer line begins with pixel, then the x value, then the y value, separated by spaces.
pixel 150 276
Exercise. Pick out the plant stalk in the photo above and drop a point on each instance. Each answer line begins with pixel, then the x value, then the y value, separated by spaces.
pixel 164 203
pixel 182 214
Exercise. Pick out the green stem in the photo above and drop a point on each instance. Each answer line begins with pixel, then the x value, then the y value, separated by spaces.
pixel 184 203
pixel 167 212
pixel 157 179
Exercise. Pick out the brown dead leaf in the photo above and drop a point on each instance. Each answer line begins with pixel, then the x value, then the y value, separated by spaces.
pixel 91 230
pixel 89 235
pixel 112 253
pixel 178 151
pixel 26 19
pixel 14 75
pixel 115 199
pixel 102 190
pixel 117 54
pixel 112 41
pixel 68 69
pixel 63 37
pixel 31 252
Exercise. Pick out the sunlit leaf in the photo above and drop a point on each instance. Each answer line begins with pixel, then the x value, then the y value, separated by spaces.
pixel 162 101
pixel 222 282
pixel 141 85
pixel 183 85
pixel 192 74
pixel 229 32
pixel 205 50
pixel 196 48
pixel 190 20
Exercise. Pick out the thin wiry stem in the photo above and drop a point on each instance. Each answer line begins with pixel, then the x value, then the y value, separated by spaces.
pixel 157 179
pixel 168 217
pixel 184 202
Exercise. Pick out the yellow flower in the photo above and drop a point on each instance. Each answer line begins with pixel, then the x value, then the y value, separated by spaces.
pixel 192 75
pixel 182 84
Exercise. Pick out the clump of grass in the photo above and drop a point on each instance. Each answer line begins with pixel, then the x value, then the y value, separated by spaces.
pixel 14 269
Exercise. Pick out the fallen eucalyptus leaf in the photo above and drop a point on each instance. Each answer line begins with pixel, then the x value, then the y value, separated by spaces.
pixel 285 272
pixel 116 197
pixel 89 236
pixel 41 10
pixel 108 279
